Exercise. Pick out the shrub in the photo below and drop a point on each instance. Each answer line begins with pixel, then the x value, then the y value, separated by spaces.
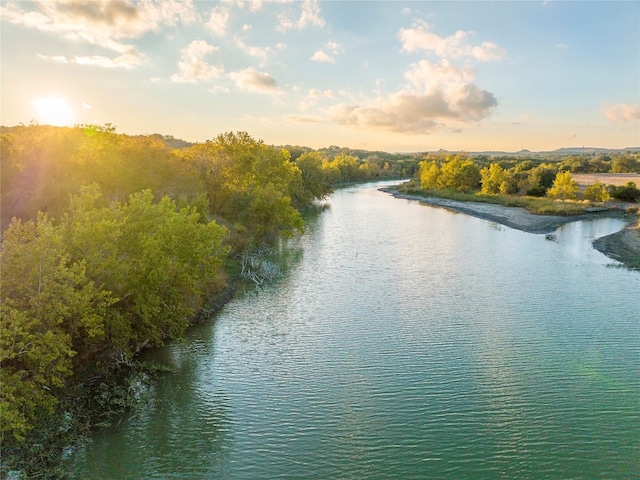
pixel 538 191
pixel 626 193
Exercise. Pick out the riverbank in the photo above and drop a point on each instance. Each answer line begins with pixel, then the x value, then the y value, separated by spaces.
pixel 623 246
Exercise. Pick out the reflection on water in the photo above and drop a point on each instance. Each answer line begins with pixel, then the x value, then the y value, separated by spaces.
pixel 575 238
pixel 403 341
pixel 184 427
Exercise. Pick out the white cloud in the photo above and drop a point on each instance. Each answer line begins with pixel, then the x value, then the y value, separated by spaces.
pixel 314 93
pixel 193 66
pixel 54 58
pixel 246 27
pixel 561 46
pixel 304 119
pixel 621 112
pixel 253 51
pixel 281 46
pixel 314 96
pixel 309 16
pixel 218 20
pixel 127 60
pixel 437 94
pixel 250 80
pixel 86 106
pixel 420 37
pixel 105 23
pixel 321 56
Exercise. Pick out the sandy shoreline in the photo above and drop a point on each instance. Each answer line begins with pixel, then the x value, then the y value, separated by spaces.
pixel 623 246
pixel 514 217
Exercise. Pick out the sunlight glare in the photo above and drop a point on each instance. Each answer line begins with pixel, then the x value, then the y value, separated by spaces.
pixel 53 111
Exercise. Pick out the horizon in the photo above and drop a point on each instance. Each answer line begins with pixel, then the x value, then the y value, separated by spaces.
pixel 397 77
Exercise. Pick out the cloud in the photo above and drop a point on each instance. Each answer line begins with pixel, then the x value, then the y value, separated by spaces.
pixel 127 60
pixel 309 16
pixel 334 50
pixel 218 20
pixel 420 37
pixel 192 65
pixel 258 52
pixel 250 80
pixel 436 94
pixel 561 46
pixel 320 56
pixel 314 96
pixel 303 119
pixel 621 112
pixel 105 23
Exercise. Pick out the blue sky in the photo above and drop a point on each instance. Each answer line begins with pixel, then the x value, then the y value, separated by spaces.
pixel 394 76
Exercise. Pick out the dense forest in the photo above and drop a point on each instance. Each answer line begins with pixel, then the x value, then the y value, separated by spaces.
pixel 114 243
pixel 485 176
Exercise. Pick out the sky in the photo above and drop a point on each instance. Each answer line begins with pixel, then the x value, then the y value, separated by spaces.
pixel 397 76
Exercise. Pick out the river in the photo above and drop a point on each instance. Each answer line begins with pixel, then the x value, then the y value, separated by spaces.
pixel 402 341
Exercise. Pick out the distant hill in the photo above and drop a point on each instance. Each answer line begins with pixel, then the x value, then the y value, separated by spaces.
pixel 558 152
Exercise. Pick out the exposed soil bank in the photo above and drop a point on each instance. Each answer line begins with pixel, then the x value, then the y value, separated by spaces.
pixel 514 217
pixel 623 246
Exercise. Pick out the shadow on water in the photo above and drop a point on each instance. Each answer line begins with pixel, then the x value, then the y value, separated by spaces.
pixel 160 439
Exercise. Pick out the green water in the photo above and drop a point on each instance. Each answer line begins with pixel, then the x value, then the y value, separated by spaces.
pixel 403 341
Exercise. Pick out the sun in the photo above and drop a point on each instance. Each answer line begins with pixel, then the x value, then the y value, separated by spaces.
pixel 53 111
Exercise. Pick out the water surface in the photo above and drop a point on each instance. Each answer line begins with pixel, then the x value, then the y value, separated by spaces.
pixel 403 341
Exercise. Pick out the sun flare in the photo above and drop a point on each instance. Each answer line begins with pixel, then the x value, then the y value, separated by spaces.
pixel 53 111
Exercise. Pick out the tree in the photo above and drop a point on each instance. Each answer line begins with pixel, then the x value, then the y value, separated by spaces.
pixel 625 164
pixel 47 302
pixel 492 177
pixel 596 192
pixel 625 193
pixel 237 170
pixel 313 181
pixel 429 174
pixel 459 173
pixel 158 262
pixel 564 187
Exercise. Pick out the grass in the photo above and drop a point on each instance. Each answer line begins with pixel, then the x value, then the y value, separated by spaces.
pixel 537 205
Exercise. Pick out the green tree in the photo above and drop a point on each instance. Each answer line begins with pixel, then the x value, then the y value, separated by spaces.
pixel 348 166
pixel 429 174
pixel 159 262
pixel 625 164
pixel 47 302
pixel 459 173
pixel 234 168
pixel 596 192
pixel 564 187
pixel 492 178
pixel 313 180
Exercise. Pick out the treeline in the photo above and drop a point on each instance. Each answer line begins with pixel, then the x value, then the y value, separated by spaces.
pixel 517 177
pixel 625 161
pixel 112 243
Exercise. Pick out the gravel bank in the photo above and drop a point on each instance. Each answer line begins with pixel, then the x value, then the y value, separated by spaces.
pixel 623 246
pixel 514 217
